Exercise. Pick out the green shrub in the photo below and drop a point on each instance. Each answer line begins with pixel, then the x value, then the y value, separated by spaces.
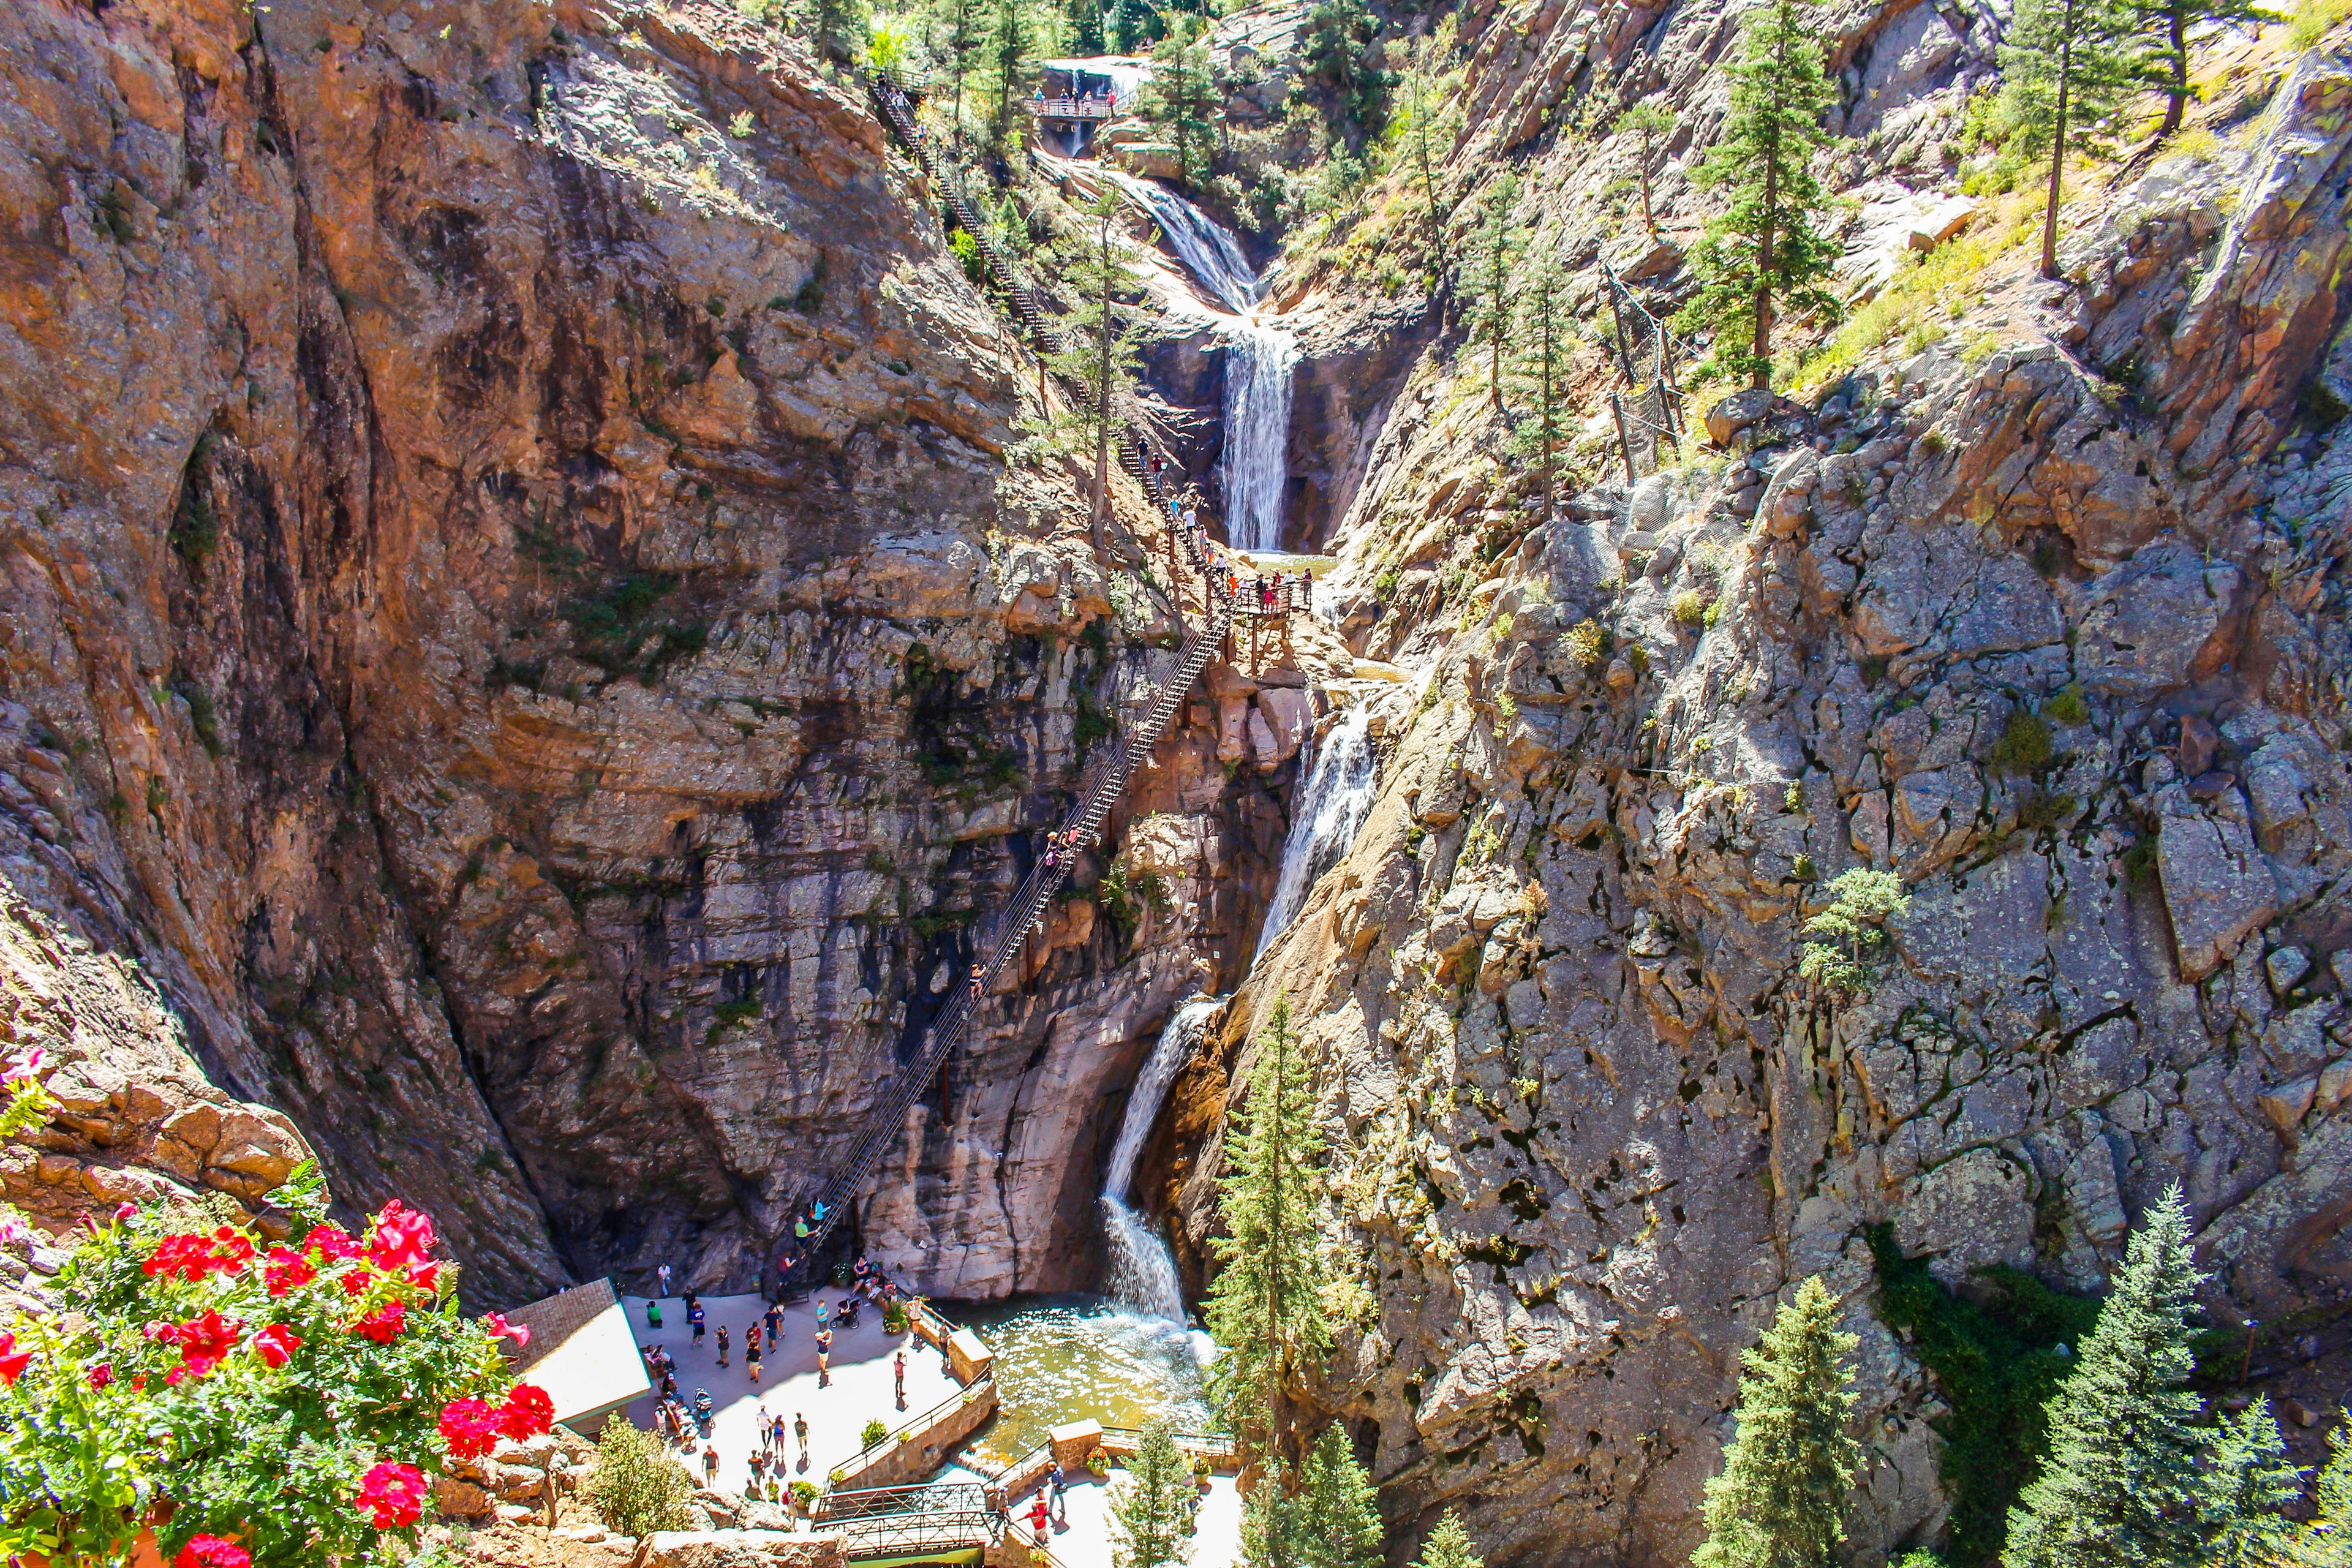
pixel 2069 706
pixel 1994 1357
pixel 635 1487
pixel 1854 927
pixel 2024 746
pixel 1690 608
pixel 873 1435
pixel 1586 643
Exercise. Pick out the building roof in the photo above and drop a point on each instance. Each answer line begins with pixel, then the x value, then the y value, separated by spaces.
pixel 582 1352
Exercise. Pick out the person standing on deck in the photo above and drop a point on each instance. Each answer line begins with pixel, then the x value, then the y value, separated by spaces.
pixel 899 1374
pixel 663 1275
pixel 694 1315
pixel 722 1344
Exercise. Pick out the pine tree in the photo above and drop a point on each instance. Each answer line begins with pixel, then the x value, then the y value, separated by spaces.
pixel 1495 247
pixel 1340 1508
pixel 1181 98
pixel 1084 18
pixel 2064 65
pixel 1430 122
pixel 2169 58
pixel 1767 257
pixel 1780 1501
pixel 1135 25
pixel 2120 1486
pixel 1336 45
pixel 838 27
pixel 1545 338
pixel 1012 36
pixel 1272 1525
pixel 2246 1486
pixel 1652 121
pixel 1449 1546
pixel 1265 1306
pixel 1099 341
pixel 965 36
pixel 1153 1512
pixel 2326 1540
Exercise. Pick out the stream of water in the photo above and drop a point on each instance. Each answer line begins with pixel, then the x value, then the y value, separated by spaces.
pixel 1338 797
pixel 1142 1271
pixel 1259 363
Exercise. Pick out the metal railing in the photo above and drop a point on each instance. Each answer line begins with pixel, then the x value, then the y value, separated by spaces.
pixel 883 1522
pixel 917 1425
pixel 1067 108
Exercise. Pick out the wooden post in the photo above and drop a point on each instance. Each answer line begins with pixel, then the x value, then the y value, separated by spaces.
pixel 1624 443
pixel 1617 314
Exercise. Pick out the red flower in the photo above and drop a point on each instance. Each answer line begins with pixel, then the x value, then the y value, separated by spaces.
pixel 424 1276
pixel 287 1269
pixel 13 1362
pixel 212 1551
pixel 393 1495
pixel 330 1242
pixel 527 1413
pixel 231 1251
pixel 138 1383
pixel 495 1324
pixel 470 1427
pixel 101 1375
pixel 355 1281
pixel 125 1212
pixel 382 1325
pixel 204 1343
pixel 402 1236
pixel 276 1344
pixel 188 1255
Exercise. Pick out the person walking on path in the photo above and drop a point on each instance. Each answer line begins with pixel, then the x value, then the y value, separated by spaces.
pixel 750 1353
pixel 722 1344
pixel 663 1275
pixel 979 982
pixel 800 1430
pixel 899 1374
pixel 1054 1493
pixel 774 1319
pixel 824 1358
pixel 694 1316
pixel 710 1464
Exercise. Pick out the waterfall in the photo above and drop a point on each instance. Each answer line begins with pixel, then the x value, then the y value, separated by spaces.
pixel 1259 359
pixel 1333 805
pixel 1142 1272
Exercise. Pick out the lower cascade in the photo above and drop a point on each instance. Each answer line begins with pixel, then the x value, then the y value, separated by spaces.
pixel 1144 1274
pixel 1337 797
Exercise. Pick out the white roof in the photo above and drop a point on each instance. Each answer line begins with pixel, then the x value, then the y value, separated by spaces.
pixel 582 1352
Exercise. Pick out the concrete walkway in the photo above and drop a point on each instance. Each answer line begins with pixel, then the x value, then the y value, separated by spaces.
pixel 860 1390
pixel 1084 1540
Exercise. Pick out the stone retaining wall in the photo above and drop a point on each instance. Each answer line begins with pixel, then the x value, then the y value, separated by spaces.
pixel 916 1453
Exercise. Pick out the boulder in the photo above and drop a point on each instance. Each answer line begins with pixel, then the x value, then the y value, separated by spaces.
pixel 1286 713
pixel 737 1549
pixel 1150 160
pixel 2217 887
pixel 459 1498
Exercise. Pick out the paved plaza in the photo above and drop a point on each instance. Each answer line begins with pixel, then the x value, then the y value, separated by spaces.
pixel 1084 1539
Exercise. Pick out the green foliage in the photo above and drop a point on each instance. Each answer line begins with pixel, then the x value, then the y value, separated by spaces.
pixel 2065 65
pixel 1266 1304
pixel 1180 100
pixel 2247 1486
pixel 1539 367
pixel 1424 127
pixel 967 251
pixel 2024 745
pixel 194 530
pixel 1270 1525
pixel 1690 608
pixel 1487 274
pixel 1012 38
pixel 1335 48
pixel 1125 892
pixel 1135 25
pixel 2312 20
pixel 2121 1485
pixel 872 1434
pixel 2326 1540
pixel 1586 643
pixel 1153 1514
pixel 635 1487
pixel 1102 337
pixel 1767 256
pixel 1853 928
pixel 2069 707
pixel 1342 1519
pixel 1994 1356
pixel 1654 123
pixel 225 1428
pixel 1780 1501
pixel 1448 1546
pixel 28 1105
pixel 1082 27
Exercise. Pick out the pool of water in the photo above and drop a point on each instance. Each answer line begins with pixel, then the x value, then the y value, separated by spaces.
pixel 1074 1358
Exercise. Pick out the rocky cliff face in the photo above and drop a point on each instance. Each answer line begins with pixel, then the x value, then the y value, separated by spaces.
pixel 2044 619
pixel 518 618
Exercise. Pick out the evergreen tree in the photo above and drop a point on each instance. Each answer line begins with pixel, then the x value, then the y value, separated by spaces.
pixel 2064 65
pixel 1494 255
pixel 1084 18
pixel 1099 341
pixel 1429 121
pixel 1153 1512
pixel 1181 98
pixel 2120 1486
pixel 2326 1540
pixel 1767 257
pixel 2247 1486
pixel 2172 19
pixel 1336 46
pixel 838 27
pixel 1652 121
pixel 1135 25
pixel 1272 1525
pixel 1448 1546
pixel 1780 1501
pixel 1012 37
pixel 1545 338
pixel 1339 1507
pixel 1265 1306
pixel 963 30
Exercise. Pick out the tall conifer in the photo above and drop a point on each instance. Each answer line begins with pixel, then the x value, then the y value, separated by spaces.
pixel 1539 366
pixel 1265 1305
pixel 1767 257
pixel 1153 1509
pixel 1780 1501
pixel 2326 1540
pixel 1492 256
pixel 2247 1485
pixel 2121 1486
pixel 1449 1546
pixel 1273 1524
pixel 1342 1516
pixel 2064 65
pixel 1099 345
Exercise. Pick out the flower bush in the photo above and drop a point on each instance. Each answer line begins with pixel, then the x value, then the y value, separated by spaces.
pixel 254 1404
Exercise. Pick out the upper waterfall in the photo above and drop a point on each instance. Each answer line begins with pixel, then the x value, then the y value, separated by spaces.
pixel 1259 361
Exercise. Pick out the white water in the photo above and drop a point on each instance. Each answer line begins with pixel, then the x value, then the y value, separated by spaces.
pixel 1259 359
pixel 1143 1273
pixel 1337 797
